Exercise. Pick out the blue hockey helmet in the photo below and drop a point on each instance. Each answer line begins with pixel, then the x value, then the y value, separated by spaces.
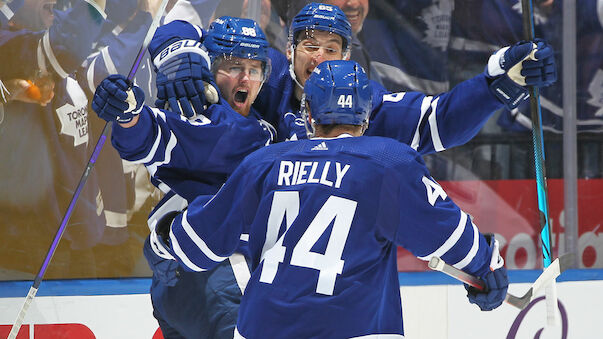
pixel 338 92
pixel 237 37
pixel 322 17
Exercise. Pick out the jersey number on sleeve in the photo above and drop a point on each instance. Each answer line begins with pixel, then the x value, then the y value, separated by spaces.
pixel 329 264
pixel 434 191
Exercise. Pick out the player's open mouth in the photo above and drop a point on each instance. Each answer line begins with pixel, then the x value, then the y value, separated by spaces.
pixel 309 71
pixel 241 96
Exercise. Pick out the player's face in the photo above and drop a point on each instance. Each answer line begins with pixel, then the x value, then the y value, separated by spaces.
pixel 35 14
pixel 239 81
pixel 355 11
pixel 314 48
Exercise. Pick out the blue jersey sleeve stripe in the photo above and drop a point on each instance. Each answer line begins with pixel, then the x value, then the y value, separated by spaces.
pixel 167 156
pixel 181 255
pixel 433 126
pixel 472 252
pixel 417 137
pixel 451 241
pixel 198 241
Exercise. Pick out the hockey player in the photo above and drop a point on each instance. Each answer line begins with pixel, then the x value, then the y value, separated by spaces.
pixel 346 201
pixel 402 115
pixel 187 158
pixel 428 123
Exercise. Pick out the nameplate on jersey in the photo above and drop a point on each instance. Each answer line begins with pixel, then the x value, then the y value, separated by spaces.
pixel 311 172
pixel 180 47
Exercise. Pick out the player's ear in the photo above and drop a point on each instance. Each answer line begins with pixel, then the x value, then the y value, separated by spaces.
pixel 346 55
pixel 289 51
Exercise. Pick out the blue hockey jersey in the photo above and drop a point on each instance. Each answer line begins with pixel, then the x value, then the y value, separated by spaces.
pixel 428 123
pixel 322 219
pixel 191 157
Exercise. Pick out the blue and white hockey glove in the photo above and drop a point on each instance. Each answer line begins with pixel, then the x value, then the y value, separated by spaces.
pixel 184 82
pixel 523 64
pixel 496 281
pixel 115 100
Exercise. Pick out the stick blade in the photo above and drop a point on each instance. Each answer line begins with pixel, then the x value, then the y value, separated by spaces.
pixel 566 261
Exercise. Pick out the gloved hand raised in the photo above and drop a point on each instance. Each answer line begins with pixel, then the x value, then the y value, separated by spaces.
pixel 115 100
pixel 496 281
pixel 523 64
pixel 184 82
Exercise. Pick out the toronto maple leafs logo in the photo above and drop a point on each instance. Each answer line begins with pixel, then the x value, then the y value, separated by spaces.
pixel 74 118
pixel 437 18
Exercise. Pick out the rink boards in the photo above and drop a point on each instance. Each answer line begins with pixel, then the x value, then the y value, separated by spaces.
pixel 435 306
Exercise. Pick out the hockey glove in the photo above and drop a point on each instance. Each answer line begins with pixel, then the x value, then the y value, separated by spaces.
pixel 496 281
pixel 115 100
pixel 166 270
pixel 523 64
pixel 184 82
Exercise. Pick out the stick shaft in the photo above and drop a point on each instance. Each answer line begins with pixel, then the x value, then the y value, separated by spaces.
pixel 539 166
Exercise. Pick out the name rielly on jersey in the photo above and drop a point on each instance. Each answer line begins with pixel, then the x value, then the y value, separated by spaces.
pixel 302 172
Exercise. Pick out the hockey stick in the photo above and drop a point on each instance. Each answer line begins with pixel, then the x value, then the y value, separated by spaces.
pixel 99 145
pixel 539 166
pixel 549 274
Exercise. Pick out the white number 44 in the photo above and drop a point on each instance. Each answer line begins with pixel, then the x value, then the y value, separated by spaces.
pixel 285 206
pixel 345 100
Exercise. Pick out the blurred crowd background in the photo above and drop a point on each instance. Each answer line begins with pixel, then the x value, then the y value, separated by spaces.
pixel 53 53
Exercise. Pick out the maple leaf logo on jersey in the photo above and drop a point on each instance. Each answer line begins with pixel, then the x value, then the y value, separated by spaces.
pixel 320 147
pixel 74 118
pixel 437 18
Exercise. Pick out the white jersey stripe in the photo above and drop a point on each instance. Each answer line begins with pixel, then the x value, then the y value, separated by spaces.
pixel 198 241
pixel 451 241
pixel 51 57
pixel 417 137
pixel 433 126
pixel 108 61
pixel 472 252
pixel 90 76
pixel 167 157
pixel 8 13
pixel 97 7
pixel 152 151
pixel 185 260
pixel 240 270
